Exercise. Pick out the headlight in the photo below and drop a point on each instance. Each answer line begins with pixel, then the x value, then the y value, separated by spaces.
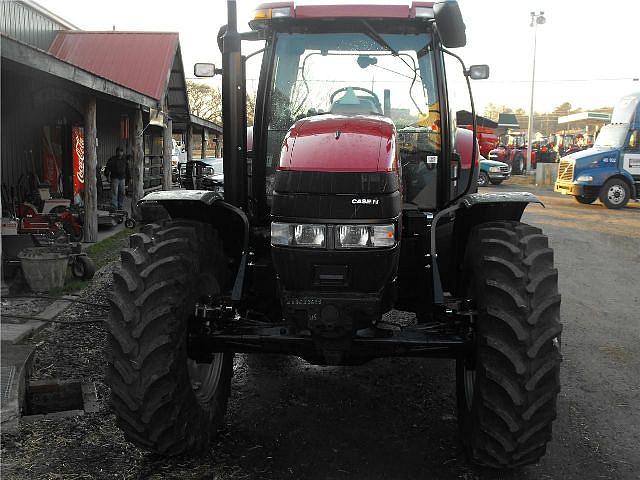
pixel 299 235
pixel 345 236
pixel 494 169
pixel 361 236
pixel 208 171
pixel 584 178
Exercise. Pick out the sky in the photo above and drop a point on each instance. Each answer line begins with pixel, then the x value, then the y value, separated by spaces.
pixel 587 51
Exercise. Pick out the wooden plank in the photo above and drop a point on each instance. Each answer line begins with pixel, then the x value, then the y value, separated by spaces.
pixel 90 168
pixel 189 142
pixel 137 182
pixel 168 150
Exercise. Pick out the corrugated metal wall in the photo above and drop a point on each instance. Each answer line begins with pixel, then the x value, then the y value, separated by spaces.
pixel 27 25
pixel 20 128
pixel 108 125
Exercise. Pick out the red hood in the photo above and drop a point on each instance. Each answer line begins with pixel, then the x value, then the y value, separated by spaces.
pixel 340 143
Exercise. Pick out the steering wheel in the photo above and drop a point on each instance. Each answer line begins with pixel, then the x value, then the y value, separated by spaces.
pixel 344 89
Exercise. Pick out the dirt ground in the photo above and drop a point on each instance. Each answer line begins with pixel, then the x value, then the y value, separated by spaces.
pixel 388 419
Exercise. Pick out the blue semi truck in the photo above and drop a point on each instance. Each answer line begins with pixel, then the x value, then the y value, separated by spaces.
pixel 610 170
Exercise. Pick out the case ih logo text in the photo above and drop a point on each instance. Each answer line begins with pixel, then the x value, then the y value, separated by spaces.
pixel 365 201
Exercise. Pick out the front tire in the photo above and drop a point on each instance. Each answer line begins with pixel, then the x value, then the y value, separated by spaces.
pixel 585 200
pixel 507 387
pixel 615 193
pixel 483 179
pixel 518 164
pixel 163 401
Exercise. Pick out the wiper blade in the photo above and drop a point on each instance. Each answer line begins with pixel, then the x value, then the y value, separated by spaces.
pixel 375 36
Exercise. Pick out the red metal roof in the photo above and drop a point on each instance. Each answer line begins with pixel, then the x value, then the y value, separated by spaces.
pixel 141 61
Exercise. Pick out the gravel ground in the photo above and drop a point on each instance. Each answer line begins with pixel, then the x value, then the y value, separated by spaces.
pixel 388 419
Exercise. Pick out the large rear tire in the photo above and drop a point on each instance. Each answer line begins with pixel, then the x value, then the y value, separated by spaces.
pixel 507 387
pixel 163 401
pixel 518 164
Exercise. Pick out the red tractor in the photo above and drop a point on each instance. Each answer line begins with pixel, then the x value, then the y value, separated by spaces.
pixel 568 143
pixel 328 223
pixel 487 139
pixel 512 150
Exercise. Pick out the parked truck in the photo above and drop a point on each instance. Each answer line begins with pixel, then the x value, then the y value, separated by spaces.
pixel 610 170
pixel 327 224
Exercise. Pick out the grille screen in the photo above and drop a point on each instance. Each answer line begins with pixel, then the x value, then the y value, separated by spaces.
pixel 565 170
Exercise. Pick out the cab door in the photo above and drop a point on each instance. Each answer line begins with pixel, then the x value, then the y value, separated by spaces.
pixel 631 155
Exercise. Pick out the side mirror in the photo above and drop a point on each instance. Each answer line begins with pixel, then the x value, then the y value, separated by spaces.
pixel 450 23
pixel 478 72
pixel 205 70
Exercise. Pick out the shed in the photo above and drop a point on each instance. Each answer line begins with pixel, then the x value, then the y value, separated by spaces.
pixel 70 97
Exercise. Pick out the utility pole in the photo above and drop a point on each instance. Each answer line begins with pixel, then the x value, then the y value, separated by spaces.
pixel 536 19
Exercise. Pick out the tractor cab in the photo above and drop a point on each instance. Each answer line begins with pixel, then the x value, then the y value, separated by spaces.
pixel 342 86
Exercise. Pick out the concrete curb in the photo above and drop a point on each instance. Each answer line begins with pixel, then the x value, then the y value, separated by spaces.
pixel 17 332
pixel 16 362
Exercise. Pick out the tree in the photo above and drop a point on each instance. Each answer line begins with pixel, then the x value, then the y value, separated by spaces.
pixel 563 109
pixel 251 107
pixel 205 101
pixel 493 111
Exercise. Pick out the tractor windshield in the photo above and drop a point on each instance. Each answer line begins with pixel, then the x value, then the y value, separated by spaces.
pixel 353 73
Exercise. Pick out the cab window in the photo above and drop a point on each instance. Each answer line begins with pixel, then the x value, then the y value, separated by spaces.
pixel 634 141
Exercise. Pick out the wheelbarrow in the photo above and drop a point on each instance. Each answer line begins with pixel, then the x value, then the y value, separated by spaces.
pixel 82 266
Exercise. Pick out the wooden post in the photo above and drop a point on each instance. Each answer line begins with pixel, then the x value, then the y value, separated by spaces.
pixel 188 145
pixel 137 169
pixel 219 146
pixel 90 173
pixel 203 147
pixel 166 158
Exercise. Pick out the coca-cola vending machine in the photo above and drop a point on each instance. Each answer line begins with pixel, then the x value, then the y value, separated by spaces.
pixel 77 151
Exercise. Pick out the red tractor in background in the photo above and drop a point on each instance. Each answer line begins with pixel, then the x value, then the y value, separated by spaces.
pixel 543 150
pixel 487 139
pixel 357 197
pixel 512 150
pixel 568 143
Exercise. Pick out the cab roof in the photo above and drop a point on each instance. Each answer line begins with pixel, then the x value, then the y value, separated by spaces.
pixel 351 10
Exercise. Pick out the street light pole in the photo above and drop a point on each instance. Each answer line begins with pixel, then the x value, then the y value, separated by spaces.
pixel 536 19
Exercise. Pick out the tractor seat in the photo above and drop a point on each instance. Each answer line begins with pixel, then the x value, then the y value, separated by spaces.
pixel 351 104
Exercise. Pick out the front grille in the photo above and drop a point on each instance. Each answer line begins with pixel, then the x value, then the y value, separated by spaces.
pixel 505 169
pixel 565 170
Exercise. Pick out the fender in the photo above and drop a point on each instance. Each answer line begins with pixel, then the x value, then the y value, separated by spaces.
pixel 208 207
pixel 469 211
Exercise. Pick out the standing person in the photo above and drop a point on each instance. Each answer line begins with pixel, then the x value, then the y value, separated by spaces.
pixel 117 171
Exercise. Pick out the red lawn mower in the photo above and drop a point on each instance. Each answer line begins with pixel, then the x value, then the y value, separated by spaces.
pixel 38 212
